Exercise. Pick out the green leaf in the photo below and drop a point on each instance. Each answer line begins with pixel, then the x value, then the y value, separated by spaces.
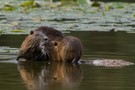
pixel 36 5
pixel 95 4
pixel 108 7
pixel 134 15
pixel 29 3
pixel 17 30
pixel 1 32
pixel 8 7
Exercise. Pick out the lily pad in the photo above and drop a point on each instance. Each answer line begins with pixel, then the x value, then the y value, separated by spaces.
pixel 28 3
pixel 95 4
pixel 8 7
pixel 36 5
pixel 1 32
pixel 17 31
pixel 134 15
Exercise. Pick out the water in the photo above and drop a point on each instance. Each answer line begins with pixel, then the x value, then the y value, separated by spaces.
pixel 60 76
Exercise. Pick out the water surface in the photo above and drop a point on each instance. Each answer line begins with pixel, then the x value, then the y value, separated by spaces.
pixel 59 76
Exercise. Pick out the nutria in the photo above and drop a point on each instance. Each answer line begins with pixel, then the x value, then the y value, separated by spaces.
pixel 33 46
pixel 69 49
pixel 37 44
pixel 50 44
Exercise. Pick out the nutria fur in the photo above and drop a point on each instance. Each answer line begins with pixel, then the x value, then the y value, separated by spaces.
pixel 69 49
pixel 33 45
pixel 50 44
pixel 51 33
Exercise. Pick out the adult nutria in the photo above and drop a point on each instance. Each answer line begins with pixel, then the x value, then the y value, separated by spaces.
pixel 69 49
pixel 37 44
pixel 35 47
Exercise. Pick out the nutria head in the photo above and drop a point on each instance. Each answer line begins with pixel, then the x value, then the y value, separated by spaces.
pixel 35 47
pixel 51 33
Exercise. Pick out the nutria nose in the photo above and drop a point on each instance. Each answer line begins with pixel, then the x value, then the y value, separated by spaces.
pixel 46 38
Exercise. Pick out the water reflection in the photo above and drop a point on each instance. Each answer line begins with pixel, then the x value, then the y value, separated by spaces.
pixel 57 76
pixel 43 75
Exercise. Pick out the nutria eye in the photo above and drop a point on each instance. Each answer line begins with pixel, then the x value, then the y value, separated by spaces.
pixel 55 44
pixel 46 39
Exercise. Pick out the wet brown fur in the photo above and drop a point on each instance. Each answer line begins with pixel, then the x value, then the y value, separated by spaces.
pixel 69 49
pixel 34 47
pixel 51 33
pixel 31 48
pixel 59 48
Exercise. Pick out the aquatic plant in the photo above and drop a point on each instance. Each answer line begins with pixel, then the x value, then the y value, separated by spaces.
pixel 8 7
pixel 30 3
pixel 17 30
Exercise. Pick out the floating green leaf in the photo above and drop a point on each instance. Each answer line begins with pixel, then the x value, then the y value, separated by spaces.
pixel 17 30
pixel 134 15
pixel 36 5
pixel 29 3
pixel 83 2
pixel 68 2
pixel 95 4
pixel 8 7
pixel 120 6
pixel 108 7
pixel 1 32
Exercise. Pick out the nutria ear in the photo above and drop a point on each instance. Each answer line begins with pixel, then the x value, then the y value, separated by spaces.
pixel 31 32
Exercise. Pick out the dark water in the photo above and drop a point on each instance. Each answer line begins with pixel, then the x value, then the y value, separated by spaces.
pixel 60 76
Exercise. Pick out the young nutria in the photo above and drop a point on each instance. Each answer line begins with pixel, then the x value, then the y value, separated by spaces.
pixel 35 47
pixel 69 49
